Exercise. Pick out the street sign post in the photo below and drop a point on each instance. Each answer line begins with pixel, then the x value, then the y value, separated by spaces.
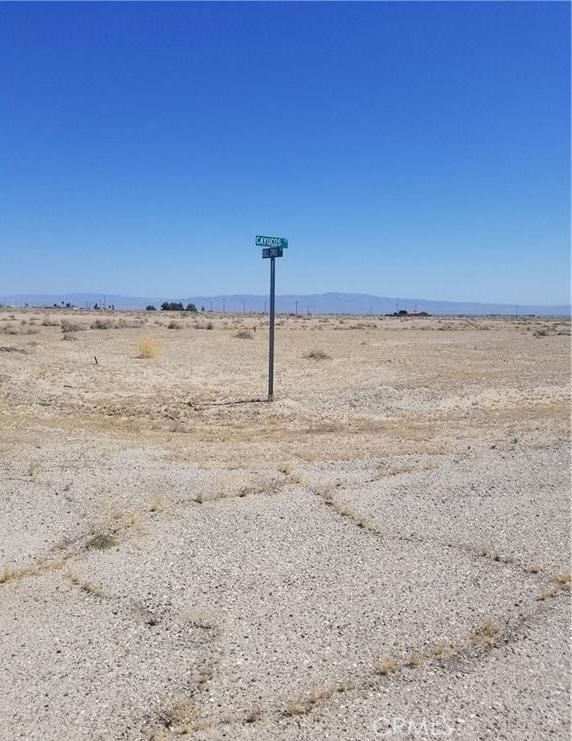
pixel 272 247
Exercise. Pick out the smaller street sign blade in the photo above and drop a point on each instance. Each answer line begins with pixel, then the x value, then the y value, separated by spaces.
pixel 272 252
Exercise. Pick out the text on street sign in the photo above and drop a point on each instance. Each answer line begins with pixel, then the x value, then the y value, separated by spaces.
pixel 271 242
pixel 272 252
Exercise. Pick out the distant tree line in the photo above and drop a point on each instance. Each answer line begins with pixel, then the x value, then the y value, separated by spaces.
pixel 173 306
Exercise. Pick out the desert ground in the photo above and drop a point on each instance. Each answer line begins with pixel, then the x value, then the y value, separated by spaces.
pixel 382 552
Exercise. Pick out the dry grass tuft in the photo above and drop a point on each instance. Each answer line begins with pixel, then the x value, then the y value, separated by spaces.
pixel 13 573
pixel 102 542
pixel 295 707
pixel 564 580
pixel 174 325
pixel 33 469
pixel 199 618
pixel 317 355
pixel 386 666
pixel 316 696
pixel 444 650
pixel 148 349
pixel 103 324
pixel 84 585
pixel 548 593
pixel 181 717
pixel 415 660
pixel 253 715
pixel 244 334
pixel 486 634
pixel 485 550
pixel 383 471
pixel 158 504
pixel 69 326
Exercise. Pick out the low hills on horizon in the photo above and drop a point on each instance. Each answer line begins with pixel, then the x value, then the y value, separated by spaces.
pixel 323 303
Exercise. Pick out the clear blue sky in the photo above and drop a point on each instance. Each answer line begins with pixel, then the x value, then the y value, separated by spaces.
pixel 405 149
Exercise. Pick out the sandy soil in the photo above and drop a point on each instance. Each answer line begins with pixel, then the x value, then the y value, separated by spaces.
pixel 382 552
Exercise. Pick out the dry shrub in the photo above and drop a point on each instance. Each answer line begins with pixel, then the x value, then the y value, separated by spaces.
pixel 244 334
pixel 69 326
pixel 174 325
pixel 147 349
pixel 50 322
pixel 487 632
pixel 123 323
pixel 387 666
pixel 103 324
pixel 317 355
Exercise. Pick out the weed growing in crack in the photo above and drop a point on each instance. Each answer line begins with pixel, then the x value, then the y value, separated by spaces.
pixel 158 504
pixel 415 660
pixel 444 650
pixel 180 718
pixel 84 585
pixel 295 707
pixel 386 666
pixel 253 715
pixel 13 573
pixel 486 634
pixel 102 542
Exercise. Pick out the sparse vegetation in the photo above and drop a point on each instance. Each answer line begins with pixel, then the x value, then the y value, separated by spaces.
pixel 157 504
pixel 69 326
pixel 487 632
pixel 148 349
pixel 180 717
pixel 83 584
pixel 199 618
pixel 295 707
pixel 387 665
pixel 253 715
pixel 13 573
pixel 444 650
pixel 244 334
pixel 103 324
pixel 317 355
pixel 415 660
pixel 102 542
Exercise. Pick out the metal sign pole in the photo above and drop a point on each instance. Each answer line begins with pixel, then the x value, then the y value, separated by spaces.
pixel 272 247
pixel 271 336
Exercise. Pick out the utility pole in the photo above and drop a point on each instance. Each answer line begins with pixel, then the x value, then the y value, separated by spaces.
pixel 223 305
pixel 244 307
pixel 296 308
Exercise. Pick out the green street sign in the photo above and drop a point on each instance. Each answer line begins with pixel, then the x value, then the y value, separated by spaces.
pixel 272 252
pixel 271 242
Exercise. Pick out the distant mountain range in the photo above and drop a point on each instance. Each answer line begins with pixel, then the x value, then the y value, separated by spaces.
pixel 322 303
